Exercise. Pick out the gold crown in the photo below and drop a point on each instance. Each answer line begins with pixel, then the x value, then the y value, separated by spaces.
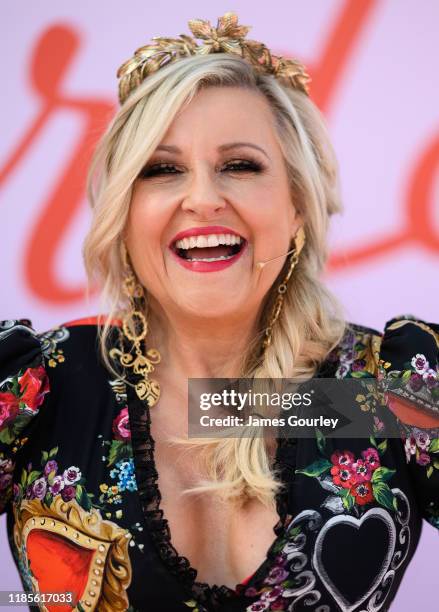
pixel 227 37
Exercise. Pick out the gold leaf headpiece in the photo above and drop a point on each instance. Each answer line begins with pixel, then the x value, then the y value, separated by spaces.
pixel 227 37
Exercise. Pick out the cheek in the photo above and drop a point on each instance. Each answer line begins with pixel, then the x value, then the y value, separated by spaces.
pixel 143 231
pixel 146 222
pixel 272 212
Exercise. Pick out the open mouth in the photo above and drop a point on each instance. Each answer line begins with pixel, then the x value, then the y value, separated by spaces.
pixel 209 248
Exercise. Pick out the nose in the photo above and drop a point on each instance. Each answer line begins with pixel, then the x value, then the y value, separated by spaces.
pixel 203 198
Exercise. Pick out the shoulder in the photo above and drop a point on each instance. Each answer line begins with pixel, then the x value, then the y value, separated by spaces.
pixel 51 383
pixel 39 372
pixel 405 356
pixel 406 338
pixel 400 339
pixel 356 354
pixel 409 364
pixel 71 346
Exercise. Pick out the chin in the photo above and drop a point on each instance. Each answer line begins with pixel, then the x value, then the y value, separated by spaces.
pixel 215 307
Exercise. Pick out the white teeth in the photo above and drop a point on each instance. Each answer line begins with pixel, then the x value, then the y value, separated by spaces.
pixel 210 258
pixel 210 240
pixel 201 242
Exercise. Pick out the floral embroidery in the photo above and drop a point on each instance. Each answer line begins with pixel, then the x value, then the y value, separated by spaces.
pixel 124 473
pixel 417 381
pixel 420 445
pixel 372 400
pixel 119 448
pixel 121 425
pixel 126 481
pixel 346 356
pixel 352 481
pixel 21 397
pixel 278 585
pixel 357 361
pixel 46 483
pixel 110 495
pixel 354 356
pixel 20 400
pixel 49 483
pixel 49 345
pixel 120 456
pixel 120 453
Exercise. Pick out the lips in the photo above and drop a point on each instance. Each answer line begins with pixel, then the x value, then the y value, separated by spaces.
pixel 203 231
pixel 207 249
pixel 208 266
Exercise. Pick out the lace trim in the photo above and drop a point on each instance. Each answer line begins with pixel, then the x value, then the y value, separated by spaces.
pixel 147 482
pixel 150 497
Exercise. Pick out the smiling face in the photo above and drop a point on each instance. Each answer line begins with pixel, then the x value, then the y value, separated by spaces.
pixel 211 202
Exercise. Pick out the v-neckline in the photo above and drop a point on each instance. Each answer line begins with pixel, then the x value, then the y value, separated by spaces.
pixel 158 526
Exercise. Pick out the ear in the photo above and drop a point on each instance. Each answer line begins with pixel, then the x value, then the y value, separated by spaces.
pixel 296 223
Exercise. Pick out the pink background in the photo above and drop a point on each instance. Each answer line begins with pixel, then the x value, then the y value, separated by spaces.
pixel 374 67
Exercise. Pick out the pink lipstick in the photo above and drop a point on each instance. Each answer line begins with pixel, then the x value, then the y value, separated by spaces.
pixel 207 249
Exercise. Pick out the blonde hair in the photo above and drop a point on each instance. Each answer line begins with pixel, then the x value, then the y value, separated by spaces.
pixel 311 323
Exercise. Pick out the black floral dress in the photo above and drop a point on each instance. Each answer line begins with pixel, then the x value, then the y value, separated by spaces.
pixel 79 484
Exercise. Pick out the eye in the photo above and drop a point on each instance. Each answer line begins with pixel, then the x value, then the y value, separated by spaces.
pixel 157 169
pixel 243 166
pixel 167 168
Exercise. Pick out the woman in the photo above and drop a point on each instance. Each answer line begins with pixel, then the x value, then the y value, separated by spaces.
pixel 211 193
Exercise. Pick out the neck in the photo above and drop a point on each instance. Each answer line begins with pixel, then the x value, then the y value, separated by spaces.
pixel 197 347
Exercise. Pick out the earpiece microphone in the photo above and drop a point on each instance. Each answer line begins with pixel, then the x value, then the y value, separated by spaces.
pixel 261 264
pixel 299 241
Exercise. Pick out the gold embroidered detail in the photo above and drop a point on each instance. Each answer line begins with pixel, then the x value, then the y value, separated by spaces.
pixel 374 354
pixel 109 573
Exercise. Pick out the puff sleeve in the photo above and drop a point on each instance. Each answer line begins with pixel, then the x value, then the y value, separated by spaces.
pixel 409 362
pixel 24 385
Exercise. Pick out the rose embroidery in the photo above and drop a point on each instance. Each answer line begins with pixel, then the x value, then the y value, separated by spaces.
pixel 119 448
pixel 72 475
pixel 420 364
pixel 47 483
pixel 34 384
pixel 422 447
pixel 121 425
pixel 20 400
pixel 8 408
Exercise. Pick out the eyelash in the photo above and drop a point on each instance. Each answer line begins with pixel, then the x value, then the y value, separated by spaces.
pixel 156 169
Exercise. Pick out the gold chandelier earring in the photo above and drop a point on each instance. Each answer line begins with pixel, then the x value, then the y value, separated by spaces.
pixel 298 244
pixel 135 329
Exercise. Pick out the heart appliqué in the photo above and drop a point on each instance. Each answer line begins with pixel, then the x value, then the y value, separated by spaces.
pixel 69 565
pixel 67 549
pixel 351 538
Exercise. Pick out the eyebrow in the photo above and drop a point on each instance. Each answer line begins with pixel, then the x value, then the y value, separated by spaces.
pixel 224 147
